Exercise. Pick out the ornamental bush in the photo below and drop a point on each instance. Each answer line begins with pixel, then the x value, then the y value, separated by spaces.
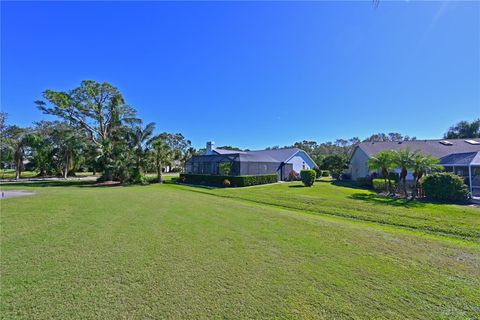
pixel 325 173
pixel 445 186
pixel 226 183
pixel 293 176
pixel 308 177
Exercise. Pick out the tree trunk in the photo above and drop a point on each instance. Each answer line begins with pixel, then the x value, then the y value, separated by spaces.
pixel 65 172
pixel 18 165
pixel 159 171
pixel 415 186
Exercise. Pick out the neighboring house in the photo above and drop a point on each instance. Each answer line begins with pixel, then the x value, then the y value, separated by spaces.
pixel 176 164
pixel 236 163
pixel 461 156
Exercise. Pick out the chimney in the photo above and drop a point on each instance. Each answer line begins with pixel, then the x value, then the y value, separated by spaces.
pixel 210 147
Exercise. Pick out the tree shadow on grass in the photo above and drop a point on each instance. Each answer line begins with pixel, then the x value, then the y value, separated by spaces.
pixel 378 199
pixel 297 186
pixel 344 184
pixel 56 183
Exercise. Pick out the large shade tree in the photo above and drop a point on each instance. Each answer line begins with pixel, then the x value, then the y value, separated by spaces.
pixel 100 110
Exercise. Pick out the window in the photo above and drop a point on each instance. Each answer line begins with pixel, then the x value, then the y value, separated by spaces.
pixel 303 165
pixel 472 142
pixel 446 143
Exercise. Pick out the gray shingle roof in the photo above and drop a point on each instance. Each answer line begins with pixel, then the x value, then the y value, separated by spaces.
pixel 459 158
pixel 273 155
pixel 433 147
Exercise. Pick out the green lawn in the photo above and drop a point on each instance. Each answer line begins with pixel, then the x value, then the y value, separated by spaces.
pixel 163 251
pixel 10 174
pixel 340 199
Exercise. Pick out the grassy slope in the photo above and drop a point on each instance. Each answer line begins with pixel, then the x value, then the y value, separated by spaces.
pixel 328 198
pixel 147 252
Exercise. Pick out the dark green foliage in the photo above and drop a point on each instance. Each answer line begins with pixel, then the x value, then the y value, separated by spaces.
pixel 308 177
pixel 325 173
pixel 378 184
pixel 318 172
pixel 464 130
pixel 445 186
pixel 335 164
pixel 235 181
pixel 364 182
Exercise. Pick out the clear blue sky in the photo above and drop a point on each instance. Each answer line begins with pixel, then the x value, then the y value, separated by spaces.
pixel 253 74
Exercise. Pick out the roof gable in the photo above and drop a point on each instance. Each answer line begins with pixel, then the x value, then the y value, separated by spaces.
pixel 271 155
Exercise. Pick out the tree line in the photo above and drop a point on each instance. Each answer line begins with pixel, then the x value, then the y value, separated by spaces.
pixel 95 130
pixel 335 155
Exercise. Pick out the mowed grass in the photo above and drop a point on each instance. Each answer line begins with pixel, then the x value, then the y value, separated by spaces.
pixel 10 174
pixel 160 251
pixel 341 199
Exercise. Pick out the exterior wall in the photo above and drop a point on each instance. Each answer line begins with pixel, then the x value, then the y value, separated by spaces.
pixel 359 164
pixel 301 161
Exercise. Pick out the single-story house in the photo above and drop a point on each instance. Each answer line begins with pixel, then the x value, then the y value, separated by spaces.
pixel 461 156
pixel 240 163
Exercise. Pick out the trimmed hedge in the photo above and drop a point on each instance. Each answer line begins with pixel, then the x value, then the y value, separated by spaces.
pixel 308 177
pixel 235 181
pixel 325 173
pixel 445 186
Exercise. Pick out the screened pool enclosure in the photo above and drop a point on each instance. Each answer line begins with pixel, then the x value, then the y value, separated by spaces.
pixel 466 165
pixel 237 164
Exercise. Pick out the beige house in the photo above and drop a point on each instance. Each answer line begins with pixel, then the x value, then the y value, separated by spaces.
pixel 461 156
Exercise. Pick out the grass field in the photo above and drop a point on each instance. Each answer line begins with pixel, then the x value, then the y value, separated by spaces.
pixel 10 174
pixel 73 251
pixel 341 199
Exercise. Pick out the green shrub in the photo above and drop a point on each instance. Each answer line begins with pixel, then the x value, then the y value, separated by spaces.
pixel 445 186
pixel 325 173
pixel 235 181
pixel 364 182
pixel 378 184
pixel 318 172
pixel 308 177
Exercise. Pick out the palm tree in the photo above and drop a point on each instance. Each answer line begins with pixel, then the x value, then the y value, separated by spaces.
pixel 140 138
pixel 404 160
pixel 383 162
pixel 422 165
pixel 161 153
pixel 17 140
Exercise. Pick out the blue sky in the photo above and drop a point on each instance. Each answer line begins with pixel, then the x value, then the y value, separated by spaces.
pixel 253 74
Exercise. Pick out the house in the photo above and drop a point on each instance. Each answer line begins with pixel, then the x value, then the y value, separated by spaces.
pixel 461 156
pixel 238 163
